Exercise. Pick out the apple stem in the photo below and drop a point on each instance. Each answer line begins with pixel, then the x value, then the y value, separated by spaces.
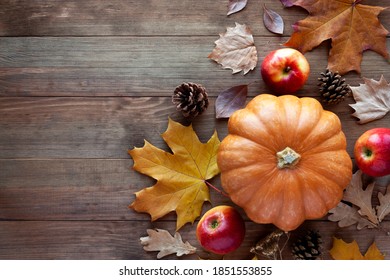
pixel 216 189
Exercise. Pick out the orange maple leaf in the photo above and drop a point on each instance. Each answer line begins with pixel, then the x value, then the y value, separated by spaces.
pixel 180 176
pixel 350 251
pixel 352 27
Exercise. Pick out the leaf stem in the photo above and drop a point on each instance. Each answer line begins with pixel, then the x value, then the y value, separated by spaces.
pixel 216 189
pixel 284 245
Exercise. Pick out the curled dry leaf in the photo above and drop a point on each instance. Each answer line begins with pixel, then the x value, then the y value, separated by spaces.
pixel 350 251
pixel 162 241
pixel 235 49
pixel 230 100
pixel 372 100
pixel 383 209
pixel 235 6
pixel 273 21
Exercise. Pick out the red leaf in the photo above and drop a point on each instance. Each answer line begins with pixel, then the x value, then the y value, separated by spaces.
pixel 236 6
pixel 273 21
pixel 230 100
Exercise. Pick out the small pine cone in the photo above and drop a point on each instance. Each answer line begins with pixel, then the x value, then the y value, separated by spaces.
pixel 333 88
pixel 307 247
pixel 191 99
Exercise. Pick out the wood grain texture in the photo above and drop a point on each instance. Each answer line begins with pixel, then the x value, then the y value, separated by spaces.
pixel 120 240
pixel 138 17
pixel 108 127
pixel 87 189
pixel 129 66
pixel 81 82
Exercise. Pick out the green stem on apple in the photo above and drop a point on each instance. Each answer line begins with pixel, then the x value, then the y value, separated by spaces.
pixel 216 189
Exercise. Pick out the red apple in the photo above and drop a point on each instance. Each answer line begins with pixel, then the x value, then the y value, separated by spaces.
pixel 285 70
pixel 372 152
pixel 221 230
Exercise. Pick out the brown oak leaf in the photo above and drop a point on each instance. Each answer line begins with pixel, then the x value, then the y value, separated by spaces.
pixel 352 28
pixel 181 176
pixel 162 241
pixel 235 49
pixel 383 209
pixel 372 100
pixel 347 215
pixel 355 194
pixel 350 251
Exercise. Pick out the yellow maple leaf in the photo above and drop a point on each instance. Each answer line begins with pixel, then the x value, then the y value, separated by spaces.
pixel 180 176
pixel 350 251
pixel 352 27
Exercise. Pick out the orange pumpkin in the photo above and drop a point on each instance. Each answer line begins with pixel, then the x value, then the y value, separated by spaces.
pixel 284 160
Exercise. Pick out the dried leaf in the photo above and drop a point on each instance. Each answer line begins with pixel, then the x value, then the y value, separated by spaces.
pixel 373 253
pixel 230 100
pixel 372 100
pixel 235 49
pixel 161 240
pixel 350 251
pixel 352 27
pixel 235 6
pixel 272 21
pixel 180 176
pixel 347 215
pixel 355 194
pixel 383 209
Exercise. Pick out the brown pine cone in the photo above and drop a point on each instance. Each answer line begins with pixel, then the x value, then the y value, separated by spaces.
pixel 191 99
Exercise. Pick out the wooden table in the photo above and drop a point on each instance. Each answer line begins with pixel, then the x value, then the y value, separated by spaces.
pixel 81 82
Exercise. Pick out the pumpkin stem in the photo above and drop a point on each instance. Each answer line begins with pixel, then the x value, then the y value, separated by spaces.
pixel 287 158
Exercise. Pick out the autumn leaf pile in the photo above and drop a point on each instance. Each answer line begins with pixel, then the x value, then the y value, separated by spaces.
pixel 182 175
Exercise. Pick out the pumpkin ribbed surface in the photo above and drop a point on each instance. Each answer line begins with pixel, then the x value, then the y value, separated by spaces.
pixel 284 160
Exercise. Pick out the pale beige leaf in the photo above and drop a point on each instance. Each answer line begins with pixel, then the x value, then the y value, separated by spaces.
pixel 383 209
pixel 372 100
pixel 355 194
pixel 235 49
pixel 346 216
pixel 162 241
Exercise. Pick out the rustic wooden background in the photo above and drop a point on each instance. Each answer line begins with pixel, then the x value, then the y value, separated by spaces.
pixel 83 81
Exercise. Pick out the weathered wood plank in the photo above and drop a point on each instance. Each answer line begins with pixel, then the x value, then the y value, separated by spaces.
pixel 79 189
pixel 35 127
pixel 120 240
pixel 140 66
pixel 137 17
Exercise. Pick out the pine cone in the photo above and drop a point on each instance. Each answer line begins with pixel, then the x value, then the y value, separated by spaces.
pixel 333 88
pixel 308 247
pixel 191 99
